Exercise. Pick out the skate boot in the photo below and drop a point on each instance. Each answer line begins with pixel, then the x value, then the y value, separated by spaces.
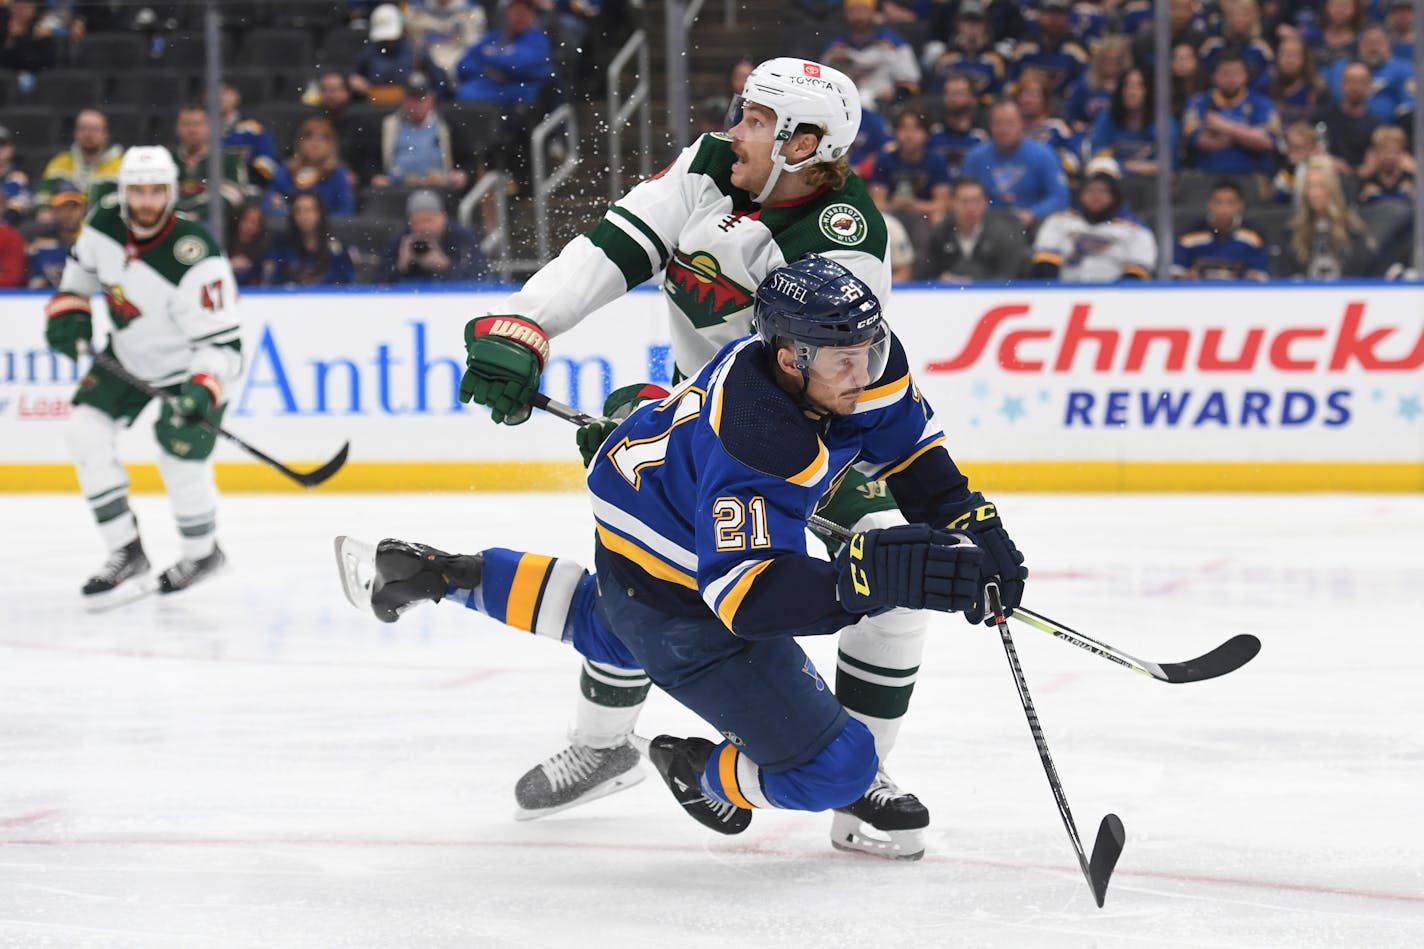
pixel 575 776
pixel 408 573
pixel 898 816
pixel 120 580
pixel 681 762
pixel 185 572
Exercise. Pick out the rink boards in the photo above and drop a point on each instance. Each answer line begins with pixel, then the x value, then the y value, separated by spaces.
pixel 1306 387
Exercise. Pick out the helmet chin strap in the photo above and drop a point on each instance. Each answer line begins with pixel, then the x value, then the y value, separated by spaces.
pixel 778 165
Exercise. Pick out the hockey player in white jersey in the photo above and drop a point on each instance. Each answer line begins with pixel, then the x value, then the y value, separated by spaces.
pixel 729 210
pixel 172 304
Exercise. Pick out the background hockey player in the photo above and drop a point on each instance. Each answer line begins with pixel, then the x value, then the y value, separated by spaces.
pixel 701 500
pixel 172 304
pixel 730 209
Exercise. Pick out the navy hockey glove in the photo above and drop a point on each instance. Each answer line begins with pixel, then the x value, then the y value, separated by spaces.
pixel 980 520
pixel 618 406
pixel 68 322
pixel 505 356
pixel 913 565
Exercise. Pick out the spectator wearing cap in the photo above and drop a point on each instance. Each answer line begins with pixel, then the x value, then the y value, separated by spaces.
pixel 48 250
pixel 511 67
pixel 968 50
pixel 247 138
pixel 417 145
pixel 15 191
pixel 386 60
pixel 961 126
pixel 1050 47
pixel 1399 17
pixel 307 254
pixel 973 243
pixel 315 166
pixel 876 58
pixel 1126 131
pixel 1391 80
pixel 1094 242
pixel 91 163
pixel 1241 34
pixel 1018 174
pixel 1230 130
pixel 1221 247
pixel 432 247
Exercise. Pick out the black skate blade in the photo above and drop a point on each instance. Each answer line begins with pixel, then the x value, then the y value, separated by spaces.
pixel 1228 657
pixel 130 591
pixel 1106 849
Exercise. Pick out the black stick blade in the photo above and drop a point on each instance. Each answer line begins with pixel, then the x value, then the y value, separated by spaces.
pixel 1228 657
pixel 1108 847
pixel 313 478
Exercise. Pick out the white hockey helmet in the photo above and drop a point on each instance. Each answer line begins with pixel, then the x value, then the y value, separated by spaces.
pixel 147 165
pixel 801 92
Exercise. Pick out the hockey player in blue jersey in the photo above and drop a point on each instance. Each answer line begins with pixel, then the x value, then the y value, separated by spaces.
pixel 701 500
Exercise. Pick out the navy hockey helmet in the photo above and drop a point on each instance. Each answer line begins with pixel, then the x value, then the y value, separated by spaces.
pixel 815 304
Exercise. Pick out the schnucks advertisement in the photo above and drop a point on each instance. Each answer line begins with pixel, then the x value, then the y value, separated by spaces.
pixel 1092 388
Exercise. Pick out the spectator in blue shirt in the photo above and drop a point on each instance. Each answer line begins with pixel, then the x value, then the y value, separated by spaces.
pixel 968 50
pixel 315 166
pixel 873 135
pixel 1240 34
pixel 16 195
pixel 1293 84
pixel 1091 94
pixel 1126 131
pixel 1221 247
pixel 1390 79
pixel 418 147
pixel 48 251
pixel 432 247
pixel 307 254
pixel 247 137
pixel 1018 174
pixel 1335 35
pixel 386 59
pixel 510 67
pixel 1051 48
pixel 1229 129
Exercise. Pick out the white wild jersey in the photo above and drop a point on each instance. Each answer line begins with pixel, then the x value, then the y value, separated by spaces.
pixel 714 245
pixel 1104 252
pixel 172 300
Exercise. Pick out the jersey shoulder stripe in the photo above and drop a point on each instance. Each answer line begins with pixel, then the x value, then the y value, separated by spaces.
pixel 893 384
pixel 714 160
pixel 106 220
pixel 758 424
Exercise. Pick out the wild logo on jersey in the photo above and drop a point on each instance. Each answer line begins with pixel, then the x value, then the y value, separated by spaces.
pixel 121 311
pixel 699 289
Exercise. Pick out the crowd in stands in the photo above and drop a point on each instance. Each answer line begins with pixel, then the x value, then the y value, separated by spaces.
pixel 1019 139
pixel 350 128
pixel 1003 139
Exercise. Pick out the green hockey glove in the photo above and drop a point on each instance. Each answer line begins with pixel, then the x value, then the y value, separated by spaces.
pixel 68 322
pixel 618 406
pixel 506 355
pixel 198 397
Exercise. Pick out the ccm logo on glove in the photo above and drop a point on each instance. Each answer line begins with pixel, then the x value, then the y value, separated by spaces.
pixel 858 578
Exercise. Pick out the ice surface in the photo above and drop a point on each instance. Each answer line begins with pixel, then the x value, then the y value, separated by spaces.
pixel 254 763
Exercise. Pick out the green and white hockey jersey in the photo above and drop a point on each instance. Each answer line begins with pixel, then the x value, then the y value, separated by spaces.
pixel 715 245
pixel 172 299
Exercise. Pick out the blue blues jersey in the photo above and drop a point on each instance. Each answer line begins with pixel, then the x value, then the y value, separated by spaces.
pixel 901 175
pixel 251 140
pixel 953 145
pixel 985 70
pixel 1064 63
pixel 1215 255
pixel 702 498
pixel 46 256
pixel 1248 108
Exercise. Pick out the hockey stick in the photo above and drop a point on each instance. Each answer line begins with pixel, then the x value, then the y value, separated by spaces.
pixel 1227 657
pixel 1111 835
pixel 309 480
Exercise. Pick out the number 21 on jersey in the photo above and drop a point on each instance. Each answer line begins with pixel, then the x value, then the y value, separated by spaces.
pixel 736 522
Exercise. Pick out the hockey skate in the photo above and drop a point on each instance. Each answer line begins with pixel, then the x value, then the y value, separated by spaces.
pixel 575 776
pixel 681 762
pixel 122 579
pixel 897 817
pixel 395 575
pixel 186 572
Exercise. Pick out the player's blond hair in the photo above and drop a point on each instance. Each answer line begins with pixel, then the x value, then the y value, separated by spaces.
pixel 825 174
